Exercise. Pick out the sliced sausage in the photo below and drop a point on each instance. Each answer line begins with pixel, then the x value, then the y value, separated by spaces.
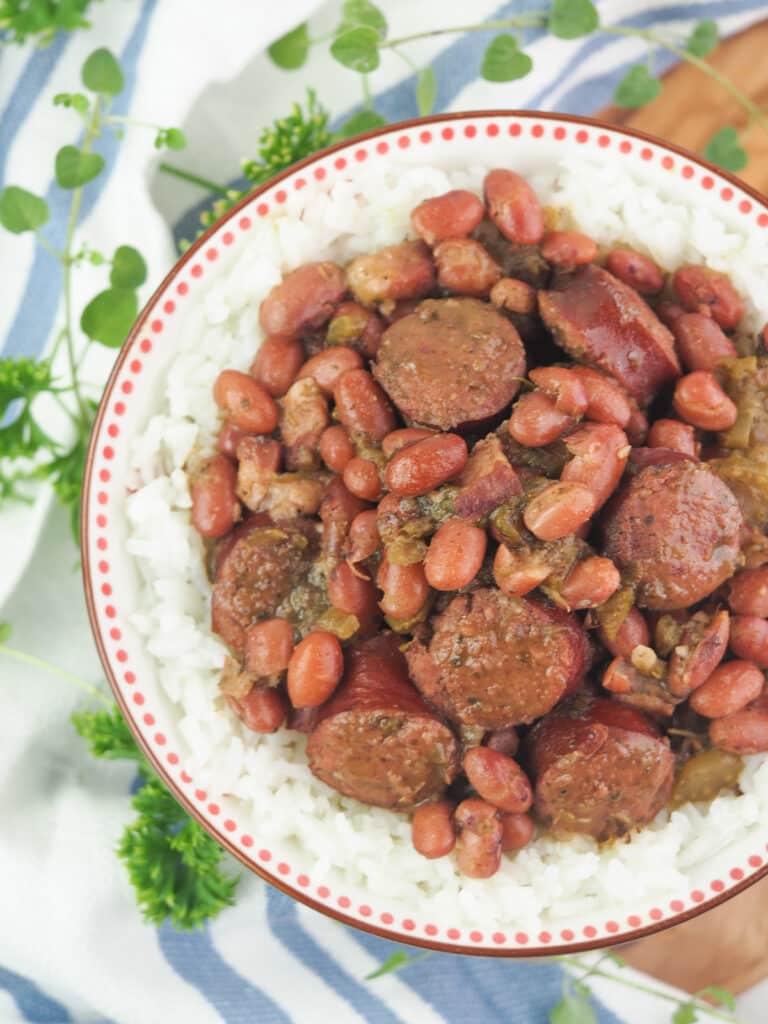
pixel 675 529
pixel 376 739
pixel 452 363
pixel 487 480
pixel 494 661
pixel 305 298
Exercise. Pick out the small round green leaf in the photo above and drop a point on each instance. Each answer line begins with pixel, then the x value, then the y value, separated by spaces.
pixel 175 138
pixel 426 90
pixel 637 87
pixel 703 39
pixel 102 72
pixel 362 12
pixel 128 268
pixel 504 61
pixel 357 49
pixel 725 150
pixel 290 51
pixel 75 168
pixel 109 316
pixel 364 121
pixel 21 210
pixel 569 19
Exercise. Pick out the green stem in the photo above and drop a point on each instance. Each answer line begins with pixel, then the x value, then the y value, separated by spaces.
pixel 404 57
pixel 533 19
pixel 43 242
pixel 194 179
pixel 47 666
pixel 367 97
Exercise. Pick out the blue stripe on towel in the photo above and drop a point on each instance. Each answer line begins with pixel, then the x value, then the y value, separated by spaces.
pixel 33 1004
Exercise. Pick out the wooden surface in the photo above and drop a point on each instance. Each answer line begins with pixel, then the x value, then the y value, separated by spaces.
pixel 728 945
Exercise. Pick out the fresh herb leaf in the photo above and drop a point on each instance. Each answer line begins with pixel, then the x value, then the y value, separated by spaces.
pixel 75 168
pixel 20 19
pixel 357 48
pixel 289 139
pixel 569 19
pixel 725 150
pixel 5 632
pixel 175 138
pixel 721 995
pixel 290 51
pixel 703 39
pixel 65 472
pixel 363 121
pixel 573 1008
pixel 21 210
pixel 76 100
pixel 21 381
pixel 392 963
pixel 109 316
pixel 426 90
pixel 128 268
pixel 107 734
pixel 102 73
pixel 362 12
pixel 504 61
pixel 685 1014
pixel 637 87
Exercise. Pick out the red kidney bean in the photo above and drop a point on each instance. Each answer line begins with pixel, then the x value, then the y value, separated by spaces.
pixel 422 466
pixel 498 779
pixel 403 271
pixel 361 478
pixel 513 207
pixel 302 719
pixel 669 313
pixel 262 710
pixel 305 298
pixel 637 427
pixel 276 364
pixel 356 326
pixel 698 653
pixel 749 592
pixel 327 366
pixel 729 689
pixel 749 639
pixel 744 732
pixel 606 401
pixel 466 267
pixel 268 647
pixel 636 270
pixel 363 539
pixel 246 403
pixel 559 510
pixel 229 438
pixel 563 387
pixel 337 510
pixel 478 845
pixel 700 286
pixel 516 831
pixel 514 296
pixel 432 832
pixel 362 406
pixel 405 589
pixel 505 741
pixel 455 555
pixel 599 453
pixel 568 249
pixel 590 583
pixel 518 571
pixel 352 593
pixel 673 434
pixel 631 633
pixel 314 671
pixel 335 448
pixel 215 508
pixel 451 215
pixel 700 400
pixel 536 421
pixel 400 438
pixel 701 343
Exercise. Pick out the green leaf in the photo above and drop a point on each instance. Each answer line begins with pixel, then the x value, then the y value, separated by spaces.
pixel 287 140
pixel 504 61
pixel 75 168
pixel 569 19
pixel 721 995
pixel 96 259
pixel 5 632
pixel 128 268
pixel 290 51
pixel 21 210
pixel 102 73
pixel 362 12
pixel 637 87
pixel 76 100
pixel 107 735
pixel 685 1014
pixel 175 138
pixel 573 1009
pixel 703 39
pixel 109 316
pixel 725 150
pixel 426 90
pixel 392 963
pixel 614 958
pixel 357 49
pixel 363 121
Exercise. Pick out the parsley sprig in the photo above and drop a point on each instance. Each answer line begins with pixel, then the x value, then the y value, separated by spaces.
pixel 40 20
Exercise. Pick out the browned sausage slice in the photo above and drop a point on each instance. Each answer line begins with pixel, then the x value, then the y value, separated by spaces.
pixel 452 363
pixel 257 573
pixel 600 320
pixel 599 768
pixel 494 661
pixel 674 530
pixel 376 739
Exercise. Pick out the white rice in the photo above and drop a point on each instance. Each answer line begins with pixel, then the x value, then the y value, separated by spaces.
pixel 341 843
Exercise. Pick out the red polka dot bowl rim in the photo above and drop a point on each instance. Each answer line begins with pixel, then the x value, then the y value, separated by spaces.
pixel 505 138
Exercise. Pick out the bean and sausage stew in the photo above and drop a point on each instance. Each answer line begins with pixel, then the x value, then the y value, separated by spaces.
pixel 487 522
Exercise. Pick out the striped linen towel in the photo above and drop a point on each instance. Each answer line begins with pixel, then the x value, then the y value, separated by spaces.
pixel 72 947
